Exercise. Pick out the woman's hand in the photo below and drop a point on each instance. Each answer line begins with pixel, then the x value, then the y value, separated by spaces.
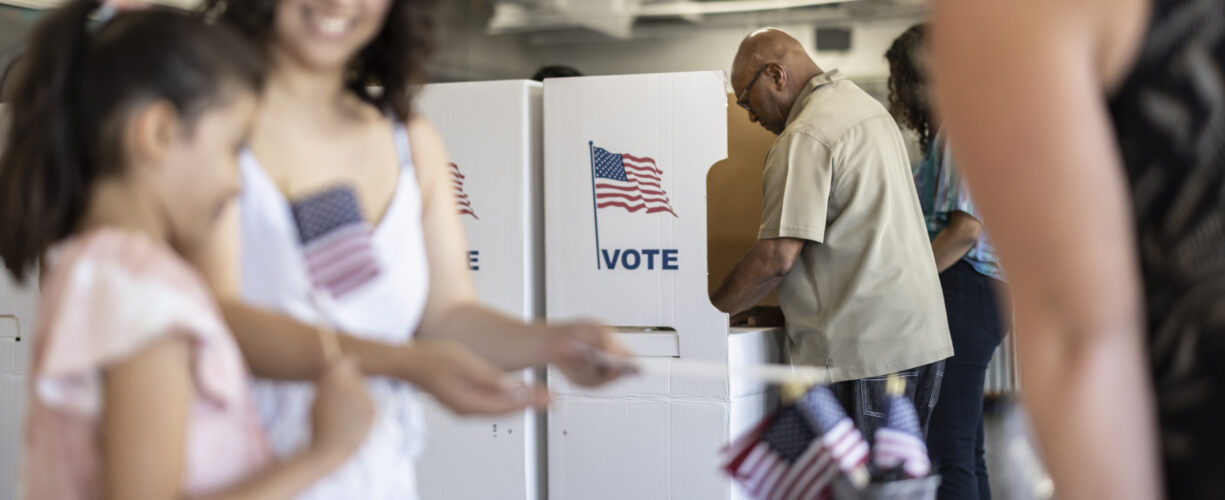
pixel 466 383
pixel 588 354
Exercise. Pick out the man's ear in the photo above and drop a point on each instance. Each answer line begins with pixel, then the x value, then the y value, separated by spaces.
pixel 150 132
pixel 778 76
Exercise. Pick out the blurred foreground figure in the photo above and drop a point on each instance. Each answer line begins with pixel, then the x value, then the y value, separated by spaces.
pixel 1091 135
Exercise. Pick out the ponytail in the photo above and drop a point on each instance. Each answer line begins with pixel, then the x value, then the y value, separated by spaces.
pixel 43 177
pixel 78 77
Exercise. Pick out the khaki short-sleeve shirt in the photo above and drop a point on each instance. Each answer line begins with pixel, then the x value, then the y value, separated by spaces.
pixel 864 297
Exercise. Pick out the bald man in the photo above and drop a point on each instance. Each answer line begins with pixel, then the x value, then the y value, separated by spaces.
pixel 842 235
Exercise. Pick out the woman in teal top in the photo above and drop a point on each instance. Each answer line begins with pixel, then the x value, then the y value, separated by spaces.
pixel 970 277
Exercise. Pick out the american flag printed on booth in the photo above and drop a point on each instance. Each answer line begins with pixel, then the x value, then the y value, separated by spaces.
pixel 798 452
pixel 900 441
pixel 336 240
pixel 629 182
pixel 461 198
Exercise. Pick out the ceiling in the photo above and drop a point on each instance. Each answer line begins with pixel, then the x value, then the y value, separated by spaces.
pixel 618 18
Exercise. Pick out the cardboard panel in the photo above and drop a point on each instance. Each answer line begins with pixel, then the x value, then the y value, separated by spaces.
pixel 736 183
pixel 639 259
pixel 749 346
pixel 13 362
pixel 626 163
pixel 638 442
pixel 493 135
pixel 18 306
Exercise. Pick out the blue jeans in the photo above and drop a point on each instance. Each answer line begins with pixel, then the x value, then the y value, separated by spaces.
pixel 955 438
pixel 867 403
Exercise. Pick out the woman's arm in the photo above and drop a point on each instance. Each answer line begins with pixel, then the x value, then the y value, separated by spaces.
pixel 1021 85
pixel 146 415
pixel 957 238
pixel 453 311
pixel 277 346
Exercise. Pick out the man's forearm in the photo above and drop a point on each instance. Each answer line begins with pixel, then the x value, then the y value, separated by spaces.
pixel 750 281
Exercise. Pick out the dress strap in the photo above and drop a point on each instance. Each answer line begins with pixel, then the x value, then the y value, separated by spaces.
pixel 403 151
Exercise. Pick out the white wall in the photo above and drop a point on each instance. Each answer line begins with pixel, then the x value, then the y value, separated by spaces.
pixel 713 48
pixel 468 53
pixel 465 53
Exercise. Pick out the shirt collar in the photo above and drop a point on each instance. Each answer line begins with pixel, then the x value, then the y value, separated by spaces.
pixel 815 83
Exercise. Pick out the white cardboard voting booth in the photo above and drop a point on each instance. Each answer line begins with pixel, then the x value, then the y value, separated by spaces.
pixel 626 159
pixel 493 134
pixel 17 313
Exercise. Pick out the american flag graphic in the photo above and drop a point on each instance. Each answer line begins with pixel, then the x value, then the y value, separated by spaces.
pixel 798 452
pixel 900 442
pixel 629 182
pixel 336 240
pixel 461 198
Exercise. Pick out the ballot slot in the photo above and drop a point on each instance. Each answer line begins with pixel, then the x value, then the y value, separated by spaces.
pixel 649 342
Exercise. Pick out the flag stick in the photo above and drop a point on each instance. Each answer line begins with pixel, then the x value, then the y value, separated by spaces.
pixel 594 211
pixel 806 376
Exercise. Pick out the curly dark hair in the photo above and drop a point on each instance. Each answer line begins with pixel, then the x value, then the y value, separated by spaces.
pixel 394 59
pixel 908 83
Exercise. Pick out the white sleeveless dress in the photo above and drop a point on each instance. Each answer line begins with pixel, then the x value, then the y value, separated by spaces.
pixel 387 308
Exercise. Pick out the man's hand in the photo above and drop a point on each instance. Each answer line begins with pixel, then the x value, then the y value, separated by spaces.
pixel 759 316
pixel 759 272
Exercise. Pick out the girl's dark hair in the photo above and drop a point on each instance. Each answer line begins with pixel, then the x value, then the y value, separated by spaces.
pixel 80 79
pixel 393 63
pixel 908 83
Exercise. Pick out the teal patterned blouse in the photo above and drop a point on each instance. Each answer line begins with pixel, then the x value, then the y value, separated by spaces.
pixel 942 192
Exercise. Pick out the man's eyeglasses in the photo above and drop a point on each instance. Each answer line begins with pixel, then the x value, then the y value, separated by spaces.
pixel 743 99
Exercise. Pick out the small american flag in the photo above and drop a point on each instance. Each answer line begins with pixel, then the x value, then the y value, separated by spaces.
pixel 461 198
pixel 900 442
pixel 798 452
pixel 629 182
pixel 336 240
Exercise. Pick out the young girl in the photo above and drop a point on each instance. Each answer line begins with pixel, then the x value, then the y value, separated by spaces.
pixel 335 123
pixel 122 153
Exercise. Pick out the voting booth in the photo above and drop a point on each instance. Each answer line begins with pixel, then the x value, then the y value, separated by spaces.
pixel 492 131
pixel 626 160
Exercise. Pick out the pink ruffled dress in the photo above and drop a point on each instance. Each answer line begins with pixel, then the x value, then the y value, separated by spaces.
pixel 107 295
